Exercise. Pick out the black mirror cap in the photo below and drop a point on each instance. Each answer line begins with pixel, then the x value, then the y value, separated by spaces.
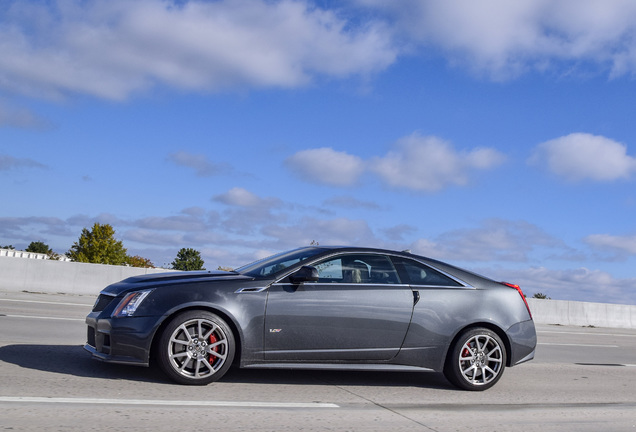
pixel 304 274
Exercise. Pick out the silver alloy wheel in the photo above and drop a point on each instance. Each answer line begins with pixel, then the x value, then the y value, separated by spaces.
pixel 197 348
pixel 481 360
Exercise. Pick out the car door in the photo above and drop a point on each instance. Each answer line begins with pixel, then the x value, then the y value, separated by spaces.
pixel 357 310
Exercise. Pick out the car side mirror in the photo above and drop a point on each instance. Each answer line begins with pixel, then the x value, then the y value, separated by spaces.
pixel 304 274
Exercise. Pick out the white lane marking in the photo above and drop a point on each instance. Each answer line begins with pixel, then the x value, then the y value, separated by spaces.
pixel 578 345
pixel 586 333
pixel 42 317
pixel 20 399
pixel 45 302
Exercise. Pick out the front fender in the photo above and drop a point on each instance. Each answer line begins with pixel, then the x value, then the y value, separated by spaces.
pixel 244 311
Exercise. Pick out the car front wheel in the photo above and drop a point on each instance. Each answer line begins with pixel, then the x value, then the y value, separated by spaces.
pixel 477 360
pixel 196 347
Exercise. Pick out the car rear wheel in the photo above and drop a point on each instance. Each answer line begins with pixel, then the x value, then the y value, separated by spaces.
pixel 196 347
pixel 477 360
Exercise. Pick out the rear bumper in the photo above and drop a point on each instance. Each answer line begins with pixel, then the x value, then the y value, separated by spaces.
pixel 523 342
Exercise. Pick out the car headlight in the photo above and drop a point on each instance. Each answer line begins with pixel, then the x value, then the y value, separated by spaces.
pixel 130 303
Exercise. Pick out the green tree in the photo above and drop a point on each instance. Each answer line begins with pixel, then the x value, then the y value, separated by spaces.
pixel 541 296
pixel 39 247
pixel 188 259
pixel 138 261
pixel 7 247
pixel 98 246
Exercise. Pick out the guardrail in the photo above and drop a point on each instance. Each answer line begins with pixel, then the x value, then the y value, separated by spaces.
pixel 38 275
pixel 22 254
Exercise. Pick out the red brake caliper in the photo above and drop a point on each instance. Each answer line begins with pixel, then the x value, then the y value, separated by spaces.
pixel 213 340
pixel 466 352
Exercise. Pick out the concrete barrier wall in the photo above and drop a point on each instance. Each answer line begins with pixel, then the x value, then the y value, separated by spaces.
pixel 37 275
pixel 583 314
pixel 49 276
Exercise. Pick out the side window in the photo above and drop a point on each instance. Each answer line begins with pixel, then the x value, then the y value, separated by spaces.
pixel 330 271
pixel 358 268
pixel 421 274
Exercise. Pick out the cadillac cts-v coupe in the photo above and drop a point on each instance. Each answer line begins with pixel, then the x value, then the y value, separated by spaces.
pixel 317 307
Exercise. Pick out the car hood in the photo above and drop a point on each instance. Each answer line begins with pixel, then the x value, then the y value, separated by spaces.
pixel 171 278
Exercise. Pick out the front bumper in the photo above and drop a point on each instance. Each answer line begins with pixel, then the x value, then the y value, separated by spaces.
pixel 120 340
pixel 523 342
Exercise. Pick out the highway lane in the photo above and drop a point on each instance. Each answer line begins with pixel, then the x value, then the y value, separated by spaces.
pixel 582 379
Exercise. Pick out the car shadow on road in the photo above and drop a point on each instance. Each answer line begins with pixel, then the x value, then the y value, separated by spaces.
pixel 73 360
pixel 424 379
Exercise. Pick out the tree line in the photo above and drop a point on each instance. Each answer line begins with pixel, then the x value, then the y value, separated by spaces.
pixel 99 246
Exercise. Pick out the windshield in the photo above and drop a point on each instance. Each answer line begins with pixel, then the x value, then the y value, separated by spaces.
pixel 277 263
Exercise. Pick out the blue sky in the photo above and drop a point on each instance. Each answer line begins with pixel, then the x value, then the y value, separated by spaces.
pixel 495 135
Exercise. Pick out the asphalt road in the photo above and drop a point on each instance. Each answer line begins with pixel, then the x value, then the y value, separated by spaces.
pixel 582 379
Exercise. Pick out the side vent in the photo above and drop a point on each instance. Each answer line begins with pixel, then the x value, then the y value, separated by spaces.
pixel 250 290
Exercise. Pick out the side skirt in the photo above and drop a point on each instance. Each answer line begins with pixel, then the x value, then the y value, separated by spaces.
pixel 339 366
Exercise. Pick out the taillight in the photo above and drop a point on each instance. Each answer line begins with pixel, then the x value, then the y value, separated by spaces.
pixel 518 288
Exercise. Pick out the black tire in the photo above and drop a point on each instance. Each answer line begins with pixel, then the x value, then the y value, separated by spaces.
pixel 196 348
pixel 476 361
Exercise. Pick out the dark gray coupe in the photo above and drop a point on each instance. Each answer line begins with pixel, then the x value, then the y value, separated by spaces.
pixel 316 308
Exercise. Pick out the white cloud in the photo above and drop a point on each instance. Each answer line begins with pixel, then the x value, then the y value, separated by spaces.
pixel 619 245
pixel 505 38
pixel 18 117
pixel 350 202
pixel 430 164
pixel 28 228
pixel 112 48
pixel 183 222
pixel 582 156
pixel 239 197
pixel 8 162
pixel 248 213
pixel 152 237
pixel 420 163
pixel 338 231
pixel 200 163
pixel 399 232
pixel 327 166
pixel 570 284
pixel 494 240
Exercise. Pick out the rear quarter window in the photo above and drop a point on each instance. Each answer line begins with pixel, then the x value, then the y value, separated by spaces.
pixel 417 273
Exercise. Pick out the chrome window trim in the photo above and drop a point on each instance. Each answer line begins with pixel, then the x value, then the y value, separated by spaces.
pixel 463 286
pixel 346 283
